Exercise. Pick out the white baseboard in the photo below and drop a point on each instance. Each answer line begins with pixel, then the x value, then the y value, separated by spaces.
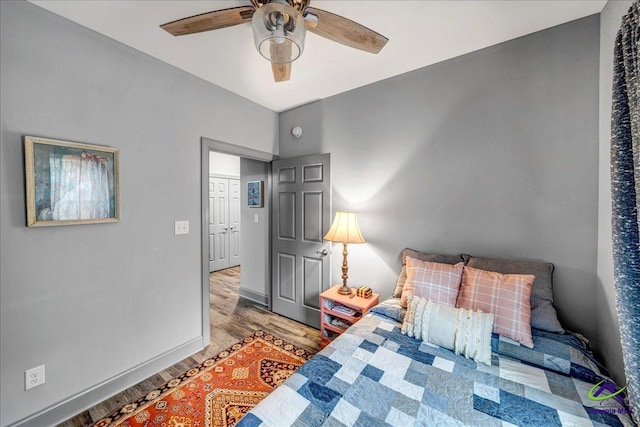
pixel 90 397
pixel 254 296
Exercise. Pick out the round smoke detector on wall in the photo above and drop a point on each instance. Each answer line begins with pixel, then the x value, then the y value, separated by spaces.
pixel 296 132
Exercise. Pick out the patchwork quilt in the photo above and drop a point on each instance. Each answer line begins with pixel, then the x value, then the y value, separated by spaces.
pixel 374 375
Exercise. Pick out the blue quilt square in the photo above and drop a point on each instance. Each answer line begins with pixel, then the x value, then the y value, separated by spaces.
pixel 365 420
pixel 312 416
pixel 495 343
pixel 434 400
pixel 415 354
pixel 486 406
pixel 420 367
pixel 330 422
pixel 369 346
pixel 249 420
pixel 407 405
pixel 371 397
pixel 547 343
pixel 474 375
pixel 604 417
pixel 320 369
pixel 372 372
pixel 397 336
pixel 416 377
pixel 561 385
pixel 579 371
pixel 388 334
pixel 517 410
pixel 557 363
pixel 320 396
pixel 338 385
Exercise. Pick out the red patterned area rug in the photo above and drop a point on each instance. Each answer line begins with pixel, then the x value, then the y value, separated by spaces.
pixel 219 391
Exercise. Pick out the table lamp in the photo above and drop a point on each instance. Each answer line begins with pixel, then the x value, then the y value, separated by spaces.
pixel 345 230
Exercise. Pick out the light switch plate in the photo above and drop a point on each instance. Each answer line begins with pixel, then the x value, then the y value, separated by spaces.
pixel 181 227
pixel 256 218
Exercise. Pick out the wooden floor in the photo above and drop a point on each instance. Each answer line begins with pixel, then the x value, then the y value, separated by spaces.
pixel 232 318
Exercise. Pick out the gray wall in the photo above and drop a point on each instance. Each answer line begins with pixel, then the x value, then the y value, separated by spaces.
pixel 93 302
pixel 254 239
pixel 609 333
pixel 514 123
pixel 494 153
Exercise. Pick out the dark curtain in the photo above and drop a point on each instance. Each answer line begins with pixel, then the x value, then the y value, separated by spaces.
pixel 625 184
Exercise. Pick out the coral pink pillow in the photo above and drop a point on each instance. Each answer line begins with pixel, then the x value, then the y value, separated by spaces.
pixel 431 280
pixel 506 296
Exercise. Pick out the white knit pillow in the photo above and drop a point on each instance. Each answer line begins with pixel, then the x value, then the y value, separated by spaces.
pixel 466 332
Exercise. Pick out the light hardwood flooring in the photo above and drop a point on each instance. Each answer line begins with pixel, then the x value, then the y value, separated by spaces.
pixel 232 318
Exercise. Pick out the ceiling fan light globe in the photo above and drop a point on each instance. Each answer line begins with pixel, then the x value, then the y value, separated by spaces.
pixel 279 50
pixel 278 32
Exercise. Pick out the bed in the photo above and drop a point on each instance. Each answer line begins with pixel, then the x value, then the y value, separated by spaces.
pixel 374 374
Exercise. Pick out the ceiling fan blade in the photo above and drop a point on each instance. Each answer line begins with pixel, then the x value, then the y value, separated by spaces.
pixel 281 72
pixel 347 32
pixel 209 21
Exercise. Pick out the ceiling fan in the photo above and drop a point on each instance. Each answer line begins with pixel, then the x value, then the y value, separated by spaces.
pixel 279 28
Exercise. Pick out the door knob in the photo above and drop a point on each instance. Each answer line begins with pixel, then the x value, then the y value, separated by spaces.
pixel 323 252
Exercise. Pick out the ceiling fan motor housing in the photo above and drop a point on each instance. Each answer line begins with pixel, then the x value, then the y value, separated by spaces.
pixel 299 5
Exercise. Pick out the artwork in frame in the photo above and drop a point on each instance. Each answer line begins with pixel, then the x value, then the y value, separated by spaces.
pixel 255 193
pixel 71 183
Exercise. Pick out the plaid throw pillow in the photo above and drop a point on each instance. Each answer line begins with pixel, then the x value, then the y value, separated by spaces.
pixel 506 296
pixel 431 280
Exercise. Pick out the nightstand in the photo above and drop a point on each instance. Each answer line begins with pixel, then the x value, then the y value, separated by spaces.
pixel 338 312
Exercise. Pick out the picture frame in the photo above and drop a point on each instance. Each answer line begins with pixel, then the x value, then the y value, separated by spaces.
pixel 70 183
pixel 255 194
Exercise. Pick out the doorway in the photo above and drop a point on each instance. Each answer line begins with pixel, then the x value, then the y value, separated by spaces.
pixel 245 249
pixel 300 192
pixel 225 224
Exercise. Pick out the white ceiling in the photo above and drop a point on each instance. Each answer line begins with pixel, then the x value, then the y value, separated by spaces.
pixel 420 33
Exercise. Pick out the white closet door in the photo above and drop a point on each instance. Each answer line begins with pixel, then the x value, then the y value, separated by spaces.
pixel 234 222
pixel 218 223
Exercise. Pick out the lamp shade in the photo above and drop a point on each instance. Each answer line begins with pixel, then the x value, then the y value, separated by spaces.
pixel 278 32
pixel 345 229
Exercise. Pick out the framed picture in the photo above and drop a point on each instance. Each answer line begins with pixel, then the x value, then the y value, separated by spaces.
pixel 255 194
pixel 71 183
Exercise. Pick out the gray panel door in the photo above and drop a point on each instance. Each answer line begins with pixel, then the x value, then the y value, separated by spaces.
pixel 218 223
pixel 234 222
pixel 301 217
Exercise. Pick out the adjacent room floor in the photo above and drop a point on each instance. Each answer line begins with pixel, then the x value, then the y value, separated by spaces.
pixel 232 318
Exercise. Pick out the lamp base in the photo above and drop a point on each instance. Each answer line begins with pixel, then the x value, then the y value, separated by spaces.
pixel 344 290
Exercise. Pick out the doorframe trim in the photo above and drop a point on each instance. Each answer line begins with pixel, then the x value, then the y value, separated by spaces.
pixel 207 145
pixel 223 176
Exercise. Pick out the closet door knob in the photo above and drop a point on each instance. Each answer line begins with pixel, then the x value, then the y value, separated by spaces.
pixel 323 252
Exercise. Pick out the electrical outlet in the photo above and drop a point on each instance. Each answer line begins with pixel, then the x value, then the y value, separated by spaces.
pixel 181 227
pixel 33 377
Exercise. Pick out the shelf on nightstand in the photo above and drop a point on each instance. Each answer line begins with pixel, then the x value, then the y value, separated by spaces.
pixel 329 299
